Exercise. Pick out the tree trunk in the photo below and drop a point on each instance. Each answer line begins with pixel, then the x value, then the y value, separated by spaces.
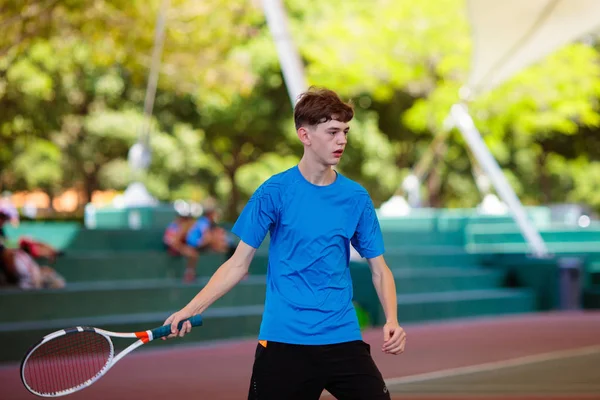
pixel 545 180
pixel 90 184
pixel 234 197
pixel 434 185
pixel 50 194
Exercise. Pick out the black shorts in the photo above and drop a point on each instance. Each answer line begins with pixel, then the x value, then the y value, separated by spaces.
pixel 302 372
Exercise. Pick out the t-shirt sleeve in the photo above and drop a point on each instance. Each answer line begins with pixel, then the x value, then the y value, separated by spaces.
pixel 367 239
pixel 258 216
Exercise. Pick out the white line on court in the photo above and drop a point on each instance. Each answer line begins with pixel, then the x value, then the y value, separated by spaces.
pixel 537 358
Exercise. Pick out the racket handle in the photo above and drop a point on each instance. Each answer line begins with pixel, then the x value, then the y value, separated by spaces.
pixel 165 330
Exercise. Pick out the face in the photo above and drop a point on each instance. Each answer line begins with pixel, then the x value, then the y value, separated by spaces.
pixel 326 142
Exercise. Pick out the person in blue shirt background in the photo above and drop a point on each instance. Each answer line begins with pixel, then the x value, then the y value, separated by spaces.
pixel 310 339
pixel 175 239
pixel 205 234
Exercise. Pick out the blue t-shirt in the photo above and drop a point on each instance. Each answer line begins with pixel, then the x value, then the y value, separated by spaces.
pixel 196 231
pixel 309 287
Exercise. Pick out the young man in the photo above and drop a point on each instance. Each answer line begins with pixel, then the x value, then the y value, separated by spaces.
pixel 310 338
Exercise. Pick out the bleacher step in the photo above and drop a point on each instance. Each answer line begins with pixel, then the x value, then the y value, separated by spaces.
pixel 463 303
pixel 118 297
pixel 103 266
pixel 429 258
pixel 219 324
pixel 409 281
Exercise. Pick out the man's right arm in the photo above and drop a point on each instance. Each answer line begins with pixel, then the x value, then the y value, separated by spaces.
pixel 229 274
pixel 253 224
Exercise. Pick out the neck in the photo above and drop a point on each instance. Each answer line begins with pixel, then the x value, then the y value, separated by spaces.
pixel 315 173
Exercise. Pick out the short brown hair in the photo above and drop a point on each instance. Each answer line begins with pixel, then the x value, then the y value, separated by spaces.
pixel 319 105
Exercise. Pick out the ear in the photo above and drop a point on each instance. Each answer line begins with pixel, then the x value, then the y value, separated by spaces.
pixel 303 135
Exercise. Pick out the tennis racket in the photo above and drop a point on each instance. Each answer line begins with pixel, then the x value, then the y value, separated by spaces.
pixel 69 360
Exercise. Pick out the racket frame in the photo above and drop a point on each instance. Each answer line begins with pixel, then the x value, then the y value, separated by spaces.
pixel 142 336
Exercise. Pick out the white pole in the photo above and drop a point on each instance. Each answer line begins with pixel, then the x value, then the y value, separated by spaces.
pixel 140 154
pixel 291 65
pixel 465 124
pixel 159 38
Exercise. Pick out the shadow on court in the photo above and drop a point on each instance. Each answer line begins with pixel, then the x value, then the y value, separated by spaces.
pixel 536 356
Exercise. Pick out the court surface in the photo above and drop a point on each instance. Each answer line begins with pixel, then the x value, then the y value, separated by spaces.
pixel 562 373
pixel 539 356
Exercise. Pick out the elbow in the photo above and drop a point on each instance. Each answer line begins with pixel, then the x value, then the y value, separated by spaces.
pixel 378 278
pixel 244 267
pixel 240 264
pixel 381 274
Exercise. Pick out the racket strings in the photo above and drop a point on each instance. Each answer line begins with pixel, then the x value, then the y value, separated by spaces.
pixel 66 362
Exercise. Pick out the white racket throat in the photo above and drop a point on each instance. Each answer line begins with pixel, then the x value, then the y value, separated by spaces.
pixel 142 339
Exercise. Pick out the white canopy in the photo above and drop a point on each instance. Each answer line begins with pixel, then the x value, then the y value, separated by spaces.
pixel 509 35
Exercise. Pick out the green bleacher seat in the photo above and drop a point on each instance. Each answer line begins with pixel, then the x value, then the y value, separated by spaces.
pixel 90 299
pixel 464 303
pixel 220 323
pixel 83 266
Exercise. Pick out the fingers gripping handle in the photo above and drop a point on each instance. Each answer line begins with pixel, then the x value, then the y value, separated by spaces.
pixel 165 330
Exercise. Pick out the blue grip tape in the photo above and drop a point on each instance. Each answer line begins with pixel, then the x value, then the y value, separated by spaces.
pixel 165 330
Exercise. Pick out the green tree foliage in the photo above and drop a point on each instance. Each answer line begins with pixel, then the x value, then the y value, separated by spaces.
pixel 73 78
pixel 39 165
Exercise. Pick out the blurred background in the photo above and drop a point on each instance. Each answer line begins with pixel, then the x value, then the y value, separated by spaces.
pixel 74 80
pixel 127 125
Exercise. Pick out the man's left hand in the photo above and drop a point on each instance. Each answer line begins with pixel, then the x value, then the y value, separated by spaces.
pixel 394 338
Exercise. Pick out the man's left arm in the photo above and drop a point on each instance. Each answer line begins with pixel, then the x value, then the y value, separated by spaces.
pixel 394 337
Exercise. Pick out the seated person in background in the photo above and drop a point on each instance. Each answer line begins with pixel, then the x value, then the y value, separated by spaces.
pixel 175 240
pixel 4 278
pixel 32 247
pixel 8 209
pixel 38 249
pixel 205 235
pixel 17 266
pixel 21 270
pixel 4 218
